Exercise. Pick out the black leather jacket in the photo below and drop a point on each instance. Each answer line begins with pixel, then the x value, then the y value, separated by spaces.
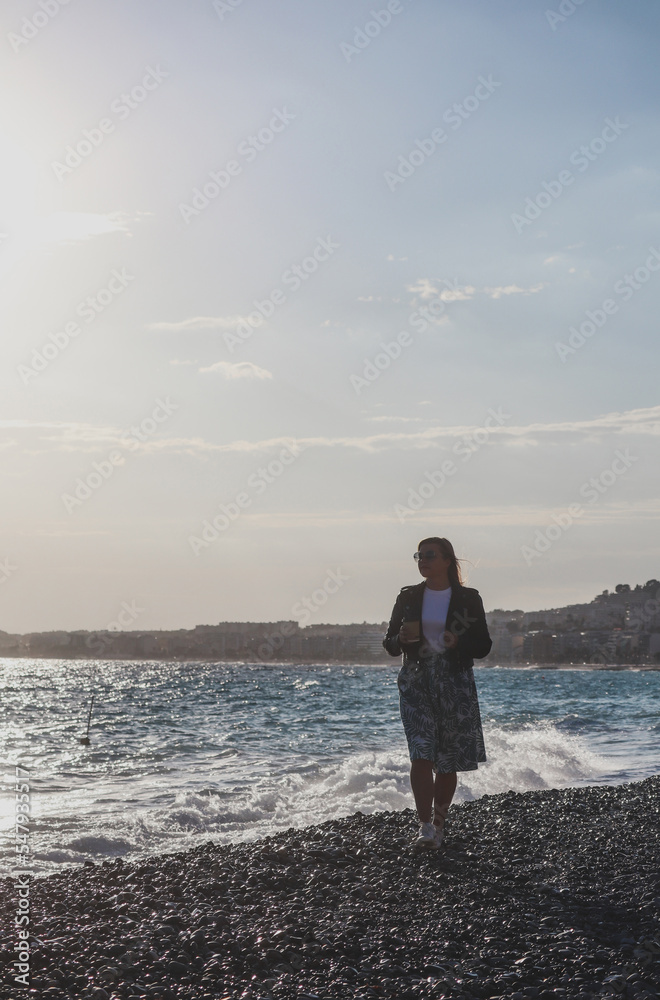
pixel 465 618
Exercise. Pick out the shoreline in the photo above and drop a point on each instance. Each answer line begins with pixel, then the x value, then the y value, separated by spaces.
pixel 334 663
pixel 536 894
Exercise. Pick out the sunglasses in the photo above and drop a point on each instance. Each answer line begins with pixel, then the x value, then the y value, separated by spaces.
pixel 429 554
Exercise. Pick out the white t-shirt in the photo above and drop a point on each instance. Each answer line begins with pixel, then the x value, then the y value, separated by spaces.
pixel 435 605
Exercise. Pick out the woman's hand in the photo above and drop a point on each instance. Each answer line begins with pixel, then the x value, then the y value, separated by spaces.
pixel 451 640
pixel 407 634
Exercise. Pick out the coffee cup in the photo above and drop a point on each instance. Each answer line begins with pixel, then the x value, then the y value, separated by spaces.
pixel 411 630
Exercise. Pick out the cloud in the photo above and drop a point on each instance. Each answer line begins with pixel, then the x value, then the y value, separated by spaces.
pixel 423 288
pixel 402 420
pixel 242 369
pixel 73 227
pixel 31 231
pixel 87 437
pixel 498 292
pixel 200 323
pixel 457 294
pixel 426 289
pixel 533 515
pixel 491 515
pixel 642 421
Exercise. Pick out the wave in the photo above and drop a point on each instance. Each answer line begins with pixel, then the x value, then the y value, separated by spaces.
pixel 522 758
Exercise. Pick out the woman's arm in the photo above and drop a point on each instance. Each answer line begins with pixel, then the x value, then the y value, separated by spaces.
pixel 391 640
pixel 471 629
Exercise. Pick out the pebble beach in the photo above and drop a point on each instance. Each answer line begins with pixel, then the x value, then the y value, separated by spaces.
pixel 552 893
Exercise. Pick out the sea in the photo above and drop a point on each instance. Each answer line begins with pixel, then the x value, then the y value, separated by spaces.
pixel 185 753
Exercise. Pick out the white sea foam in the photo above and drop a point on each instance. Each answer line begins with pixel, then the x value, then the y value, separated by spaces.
pixel 99 845
pixel 536 755
pixel 184 754
pixel 533 756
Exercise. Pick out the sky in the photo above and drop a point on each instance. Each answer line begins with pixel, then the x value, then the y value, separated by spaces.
pixel 286 288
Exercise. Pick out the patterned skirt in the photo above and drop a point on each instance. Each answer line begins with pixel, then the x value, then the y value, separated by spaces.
pixel 440 714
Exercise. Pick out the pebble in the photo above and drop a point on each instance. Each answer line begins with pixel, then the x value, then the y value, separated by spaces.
pixel 535 895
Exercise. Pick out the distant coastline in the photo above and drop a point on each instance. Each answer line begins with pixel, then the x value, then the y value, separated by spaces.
pixel 613 631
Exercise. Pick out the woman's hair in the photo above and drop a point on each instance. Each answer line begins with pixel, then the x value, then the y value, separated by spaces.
pixel 447 549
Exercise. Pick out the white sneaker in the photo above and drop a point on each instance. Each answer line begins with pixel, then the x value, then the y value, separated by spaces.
pixel 427 836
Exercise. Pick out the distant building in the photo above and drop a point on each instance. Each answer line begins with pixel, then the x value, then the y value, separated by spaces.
pixel 371 642
pixel 502 644
pixel 618 627
pixel 538 647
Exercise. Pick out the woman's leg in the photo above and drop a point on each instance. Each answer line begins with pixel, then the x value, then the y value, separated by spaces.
pixel 421 780
pixel 443 793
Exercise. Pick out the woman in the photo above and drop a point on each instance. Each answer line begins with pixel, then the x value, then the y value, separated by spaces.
pixel 440 627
